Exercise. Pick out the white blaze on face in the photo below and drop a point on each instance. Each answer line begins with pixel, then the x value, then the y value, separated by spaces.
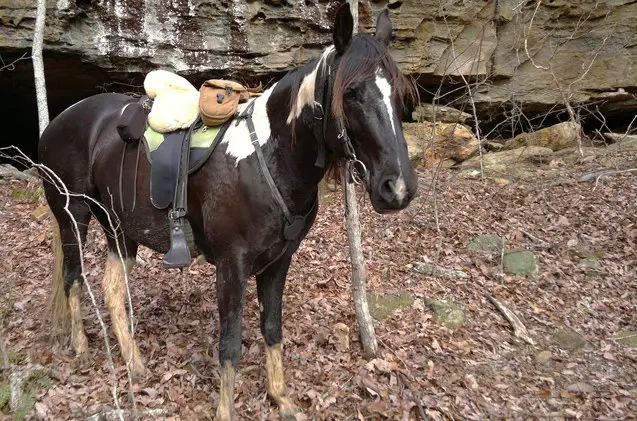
pixel 385 90
pixel 400 188
pixel 237 137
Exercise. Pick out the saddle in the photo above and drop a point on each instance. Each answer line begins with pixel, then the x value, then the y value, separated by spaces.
pixel 180 127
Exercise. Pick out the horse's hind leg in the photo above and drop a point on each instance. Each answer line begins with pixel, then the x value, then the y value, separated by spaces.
pixel 115 296
pixel 67 280
pixel 270 286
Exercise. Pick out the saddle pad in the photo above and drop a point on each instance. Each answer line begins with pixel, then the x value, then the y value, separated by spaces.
pixel 163 151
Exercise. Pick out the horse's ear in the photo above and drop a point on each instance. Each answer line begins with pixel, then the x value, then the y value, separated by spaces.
pixel 383 28
pixel 343 28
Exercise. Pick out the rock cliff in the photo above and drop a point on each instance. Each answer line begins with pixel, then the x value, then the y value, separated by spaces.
pixel 521 56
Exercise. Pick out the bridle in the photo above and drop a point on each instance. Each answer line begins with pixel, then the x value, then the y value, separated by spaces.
pixel 323 91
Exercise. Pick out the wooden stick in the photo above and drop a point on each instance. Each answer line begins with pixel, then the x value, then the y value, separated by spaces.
pixel 519 330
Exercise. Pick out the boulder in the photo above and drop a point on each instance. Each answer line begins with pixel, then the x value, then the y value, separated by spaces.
pixel 432 143
pixel 447 313
pixel 557 137
pixel 626 338
pixel 439 114
pixel 568 339
pixel 624 144
pixel 522 262
pixel 516 162
pixel 486 243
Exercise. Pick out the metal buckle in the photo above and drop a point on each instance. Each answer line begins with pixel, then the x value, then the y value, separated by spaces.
pixel 358 171
pixel 176 214
pixel 320 107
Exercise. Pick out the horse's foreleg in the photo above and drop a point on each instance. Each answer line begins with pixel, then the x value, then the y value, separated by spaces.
pixel 270 286
pixel 231 283
pixel 115 297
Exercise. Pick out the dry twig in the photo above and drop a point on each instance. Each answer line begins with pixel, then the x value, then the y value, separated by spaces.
pixel 519 330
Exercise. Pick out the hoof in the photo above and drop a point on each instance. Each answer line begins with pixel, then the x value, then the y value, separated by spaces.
pixel 225 415
pixel 138 371
pixel 84 359
pixel 288 410
pixel 289 416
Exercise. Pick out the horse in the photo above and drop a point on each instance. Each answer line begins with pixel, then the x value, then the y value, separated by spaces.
pixel 259 184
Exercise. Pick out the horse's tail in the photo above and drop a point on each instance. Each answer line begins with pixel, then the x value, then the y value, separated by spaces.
pixel 59 303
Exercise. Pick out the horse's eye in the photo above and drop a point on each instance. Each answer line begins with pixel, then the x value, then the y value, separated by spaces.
pixel 350 93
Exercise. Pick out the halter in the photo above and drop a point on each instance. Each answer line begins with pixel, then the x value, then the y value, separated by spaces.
pixel 323 90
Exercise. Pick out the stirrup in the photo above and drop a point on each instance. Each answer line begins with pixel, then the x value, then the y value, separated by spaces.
pixel 179 254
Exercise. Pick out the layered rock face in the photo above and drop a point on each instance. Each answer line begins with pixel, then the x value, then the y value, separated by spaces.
pixel 520 55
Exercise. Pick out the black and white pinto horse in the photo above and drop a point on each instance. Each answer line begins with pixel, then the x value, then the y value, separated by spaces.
pixel 345 105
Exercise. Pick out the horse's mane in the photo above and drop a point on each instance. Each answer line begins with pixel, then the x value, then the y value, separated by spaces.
pixel 361 61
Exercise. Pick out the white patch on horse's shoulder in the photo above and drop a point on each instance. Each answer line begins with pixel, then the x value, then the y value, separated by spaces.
pixel 385 89
pixel 237 137
pixel 306 95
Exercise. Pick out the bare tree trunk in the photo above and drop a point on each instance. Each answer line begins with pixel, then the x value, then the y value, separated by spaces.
pixel 359 277
pixel 38 66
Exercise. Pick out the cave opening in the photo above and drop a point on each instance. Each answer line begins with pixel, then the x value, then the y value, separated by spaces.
pixel 68 80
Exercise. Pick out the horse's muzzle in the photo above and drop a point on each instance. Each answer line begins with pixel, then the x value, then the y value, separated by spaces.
pixel 392 194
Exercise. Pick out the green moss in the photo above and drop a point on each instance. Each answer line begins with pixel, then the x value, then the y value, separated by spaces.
pixel 5 395
pixel 627 338
pixel 31 386
pixel 382 306
pixel 520 263
pixel 30 195
pixel 568 339
pixel 486 242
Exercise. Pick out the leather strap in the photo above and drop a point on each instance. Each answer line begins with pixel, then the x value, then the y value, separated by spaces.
pixel 294 224
pixel 247 114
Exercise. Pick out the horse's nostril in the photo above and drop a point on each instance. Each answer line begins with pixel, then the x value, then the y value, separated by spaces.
pixel 387 190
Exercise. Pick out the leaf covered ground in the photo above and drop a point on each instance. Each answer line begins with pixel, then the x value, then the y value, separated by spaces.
pixel 583 233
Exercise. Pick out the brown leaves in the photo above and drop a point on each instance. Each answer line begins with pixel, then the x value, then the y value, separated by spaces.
pixel 474 372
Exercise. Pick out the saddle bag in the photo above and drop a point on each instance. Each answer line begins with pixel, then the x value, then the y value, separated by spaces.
pixel 132 120
pixel 219 100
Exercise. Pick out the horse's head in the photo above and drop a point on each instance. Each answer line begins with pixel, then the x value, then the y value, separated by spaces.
pixel 367 99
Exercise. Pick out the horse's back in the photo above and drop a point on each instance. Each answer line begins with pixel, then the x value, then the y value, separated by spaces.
pixel 67 144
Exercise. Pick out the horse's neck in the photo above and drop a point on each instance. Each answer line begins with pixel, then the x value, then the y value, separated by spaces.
pixel 294 157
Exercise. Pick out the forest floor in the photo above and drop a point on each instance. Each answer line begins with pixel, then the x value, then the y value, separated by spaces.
pixel 580 309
